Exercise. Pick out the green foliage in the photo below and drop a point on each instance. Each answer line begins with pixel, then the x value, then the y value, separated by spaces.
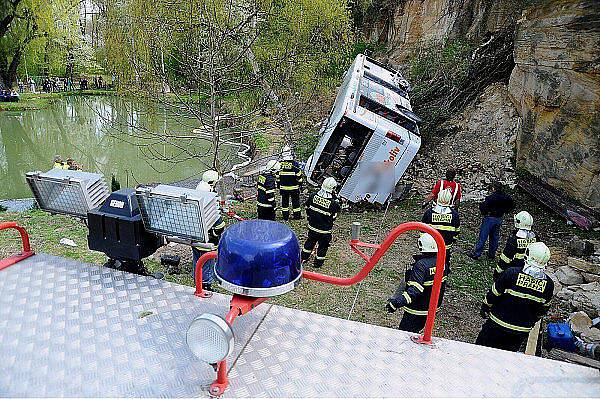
pixel 39 37
pixel 437 76
pixel 261 141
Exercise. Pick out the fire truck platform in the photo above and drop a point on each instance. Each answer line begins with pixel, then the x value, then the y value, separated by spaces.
pixel 80 330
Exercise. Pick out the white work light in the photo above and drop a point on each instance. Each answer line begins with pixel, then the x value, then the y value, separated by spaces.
pixel 182 214
pixel 210 338
pixel 69 192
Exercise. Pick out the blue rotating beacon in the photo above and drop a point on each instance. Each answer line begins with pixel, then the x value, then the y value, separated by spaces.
pixel 258 258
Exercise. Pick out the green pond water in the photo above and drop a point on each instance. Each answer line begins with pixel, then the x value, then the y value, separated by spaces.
pixel 105 134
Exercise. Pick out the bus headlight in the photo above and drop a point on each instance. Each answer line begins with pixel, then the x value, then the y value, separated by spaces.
pixel 210 338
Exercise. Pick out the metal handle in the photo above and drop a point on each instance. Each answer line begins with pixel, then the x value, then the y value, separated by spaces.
pixel 356 227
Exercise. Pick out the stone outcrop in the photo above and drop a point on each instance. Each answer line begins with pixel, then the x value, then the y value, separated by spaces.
pixel 408 25
pixel 480 146
pixel 556 88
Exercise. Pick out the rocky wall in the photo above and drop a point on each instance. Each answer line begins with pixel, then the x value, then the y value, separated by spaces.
pixel 555 86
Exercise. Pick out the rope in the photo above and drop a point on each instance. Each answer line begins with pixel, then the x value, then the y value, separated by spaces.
pixel 360 284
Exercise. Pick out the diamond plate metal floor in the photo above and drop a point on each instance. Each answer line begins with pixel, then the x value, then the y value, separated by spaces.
pixel 71 329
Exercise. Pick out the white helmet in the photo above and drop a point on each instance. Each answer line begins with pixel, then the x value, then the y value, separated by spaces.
pixel 210 177
pixel 286 154
pixel 329 185
pixel 523 220
pixel 537 255
pixel 203 186
pixel 346 142
pixel 273 165
pixel 444 197
pixel 427 243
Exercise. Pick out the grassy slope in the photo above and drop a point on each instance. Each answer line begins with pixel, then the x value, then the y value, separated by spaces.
pixel 459 318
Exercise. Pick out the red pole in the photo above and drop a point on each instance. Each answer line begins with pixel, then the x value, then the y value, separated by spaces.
pixel 378 254
pixel 27 252
pixel 198 274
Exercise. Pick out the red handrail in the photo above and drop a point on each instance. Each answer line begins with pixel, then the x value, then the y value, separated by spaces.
pixel 27 252
pixel 378 254
pixel 198 274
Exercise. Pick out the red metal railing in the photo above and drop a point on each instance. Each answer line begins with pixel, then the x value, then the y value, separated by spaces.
pixel 27 252
pixel 380 250
pixel 241 305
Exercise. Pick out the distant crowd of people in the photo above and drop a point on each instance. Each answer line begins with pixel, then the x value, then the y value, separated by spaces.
pixel 69 164
pixel 56 84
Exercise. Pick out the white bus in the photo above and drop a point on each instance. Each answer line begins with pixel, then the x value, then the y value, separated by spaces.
pixel 371 135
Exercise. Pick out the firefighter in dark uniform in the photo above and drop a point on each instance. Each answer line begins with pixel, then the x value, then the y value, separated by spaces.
pixel 444 219
pixel 266 188
pixel 514 251
pixel 214 235
pixel 516 301
pixel 322 209
pixel 290 182
pixel 413 296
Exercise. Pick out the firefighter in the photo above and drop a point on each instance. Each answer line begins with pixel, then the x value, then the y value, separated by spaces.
pixel 514 251
pixel 413 296
pixel 290 182
pixel 211 177
pixel 516 301
pixel 214 235
pixel 322 209
pixel 58 162
pixel 266 187
pixel 443 218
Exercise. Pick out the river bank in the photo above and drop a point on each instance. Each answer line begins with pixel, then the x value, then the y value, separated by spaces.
pixel 36 101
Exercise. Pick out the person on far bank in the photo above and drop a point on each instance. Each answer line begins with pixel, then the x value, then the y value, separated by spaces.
pixel 493 209
pixel 443 184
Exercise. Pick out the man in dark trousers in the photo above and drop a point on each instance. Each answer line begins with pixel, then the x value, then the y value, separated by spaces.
pixel 516 301
pixel 513 254
pixel 443 218
pixel 290 182
pixel 493 209
pixel 442 184
pixel 414 296
pixel 266 187
pixel 322 209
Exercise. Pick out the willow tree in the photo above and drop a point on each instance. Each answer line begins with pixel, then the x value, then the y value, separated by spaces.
pixel 231 65
pixel 38 30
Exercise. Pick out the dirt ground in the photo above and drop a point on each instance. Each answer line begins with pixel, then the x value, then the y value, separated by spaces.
pixel 459 317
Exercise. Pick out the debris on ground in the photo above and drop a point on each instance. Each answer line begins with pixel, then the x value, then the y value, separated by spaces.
pixel 68 242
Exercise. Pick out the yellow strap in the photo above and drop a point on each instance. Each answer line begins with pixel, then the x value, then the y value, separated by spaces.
pixel 505 258
pixel 314 208
pixel 494 290
pixel 265 205
pixel 525 296
pixel 407 297
pixel 319 231
pixel 520 256
pixel 430 283
pixel 287 173
pixel 289 188
pixel 414 311
pixel 508 325
pixel 443 227
pixel 416 285
pixel 499 269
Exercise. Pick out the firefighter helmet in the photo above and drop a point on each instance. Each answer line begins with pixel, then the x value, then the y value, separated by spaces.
pixel 523 220
pixel 203 186
pixel 444 197
pixel 210 177
pixel 427 243
pixel 287 154
pixel 537 255
pixel 57 158
pixel 273 165
pixel 329 185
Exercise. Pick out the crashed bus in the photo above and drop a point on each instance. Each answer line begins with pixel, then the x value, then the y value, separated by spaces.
pixel 370 136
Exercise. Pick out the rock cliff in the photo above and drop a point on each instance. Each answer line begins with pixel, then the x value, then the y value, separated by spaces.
pixel 555 86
